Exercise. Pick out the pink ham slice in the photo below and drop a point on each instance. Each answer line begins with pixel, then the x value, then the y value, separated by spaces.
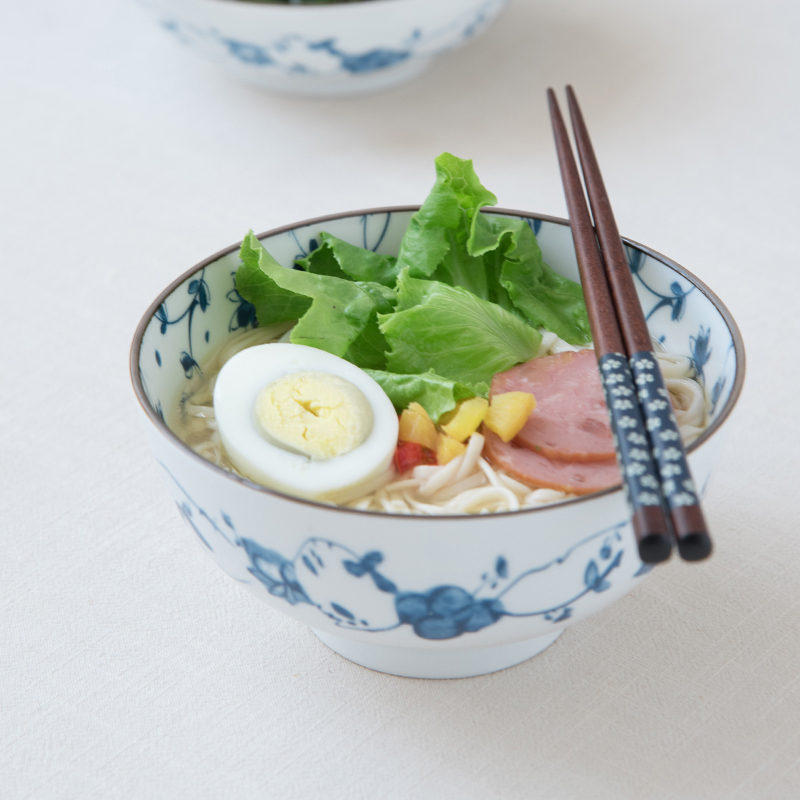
pixel 575 477
pixel 570 421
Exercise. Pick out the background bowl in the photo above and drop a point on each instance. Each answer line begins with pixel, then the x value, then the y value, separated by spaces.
pixel 325 49
pixel 429 597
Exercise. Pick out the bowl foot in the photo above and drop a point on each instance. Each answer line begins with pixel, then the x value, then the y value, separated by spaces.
pixel 453 662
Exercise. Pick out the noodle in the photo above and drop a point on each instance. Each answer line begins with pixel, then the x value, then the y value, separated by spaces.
pixel 466 485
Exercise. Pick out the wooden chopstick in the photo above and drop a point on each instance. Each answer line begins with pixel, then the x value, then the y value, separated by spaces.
pixel 677 487
pixel 639 473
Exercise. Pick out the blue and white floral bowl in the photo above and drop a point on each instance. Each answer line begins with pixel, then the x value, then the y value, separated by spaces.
pixel 325 49
pixel 425 597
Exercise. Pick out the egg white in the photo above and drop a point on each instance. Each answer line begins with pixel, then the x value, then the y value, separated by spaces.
pixel 337 479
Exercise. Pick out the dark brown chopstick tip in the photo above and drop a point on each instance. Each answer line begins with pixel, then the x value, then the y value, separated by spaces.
pixel 652 534
pixel 695 546
pixel 655 548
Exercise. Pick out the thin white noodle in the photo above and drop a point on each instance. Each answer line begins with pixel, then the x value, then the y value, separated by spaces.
pixel 362 504
pixel 515 486
pixel 206 412
pixel 674 366
pixel 489 473
pixel 540 497
pixel 424 471
pixel 560 346
pixel 397 486
pixel 548 340
pixel 485 498
pixel 449 492
pixel 427 508
pixel 689 433
pixel 203 397
pixel 688 401
pixel 471 456
pixel 442 477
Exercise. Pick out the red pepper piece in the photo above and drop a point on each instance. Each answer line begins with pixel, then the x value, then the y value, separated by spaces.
pixel 410 454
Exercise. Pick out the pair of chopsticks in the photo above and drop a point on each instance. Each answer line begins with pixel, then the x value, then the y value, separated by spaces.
pixel 655 474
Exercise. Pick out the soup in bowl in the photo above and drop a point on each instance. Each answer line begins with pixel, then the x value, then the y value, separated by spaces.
pixel 445 595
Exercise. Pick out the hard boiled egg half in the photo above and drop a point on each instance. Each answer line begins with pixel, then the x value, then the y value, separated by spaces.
pixel 305 422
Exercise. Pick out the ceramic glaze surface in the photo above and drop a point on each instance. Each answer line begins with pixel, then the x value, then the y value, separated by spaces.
pixel 462 586
pixel 330 49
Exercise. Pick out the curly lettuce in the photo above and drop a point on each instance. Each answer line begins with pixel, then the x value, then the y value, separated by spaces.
pixel 454 333
pixel 463 300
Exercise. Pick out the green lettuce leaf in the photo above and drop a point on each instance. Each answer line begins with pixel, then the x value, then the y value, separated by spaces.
pixel 546 298
pixel 333 313
pixel 496 258
pixel 459 268
pixel 338 259
pixel 272 303
pixel 454 333
pixel 369 349
pixel 448 217
pixel 435 394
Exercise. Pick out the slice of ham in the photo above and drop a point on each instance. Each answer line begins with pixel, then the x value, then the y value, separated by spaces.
pixel 570 421
pixel 575 477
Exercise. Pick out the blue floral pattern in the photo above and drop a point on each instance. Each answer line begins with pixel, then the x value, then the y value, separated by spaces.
pixel 295 54
pixel 200 298
pixel 697 346
pixel 675 301
pixel 244 316
pixel 701 351
pixel 722 380
pixel 373 602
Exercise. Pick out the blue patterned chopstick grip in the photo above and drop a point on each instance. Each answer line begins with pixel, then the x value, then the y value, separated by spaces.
pixel 677 485
pixel 639 472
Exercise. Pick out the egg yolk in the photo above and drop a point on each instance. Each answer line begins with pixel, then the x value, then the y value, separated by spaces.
pixel 314 413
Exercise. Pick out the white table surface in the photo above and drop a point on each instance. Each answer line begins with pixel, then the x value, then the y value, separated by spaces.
pixel 130 666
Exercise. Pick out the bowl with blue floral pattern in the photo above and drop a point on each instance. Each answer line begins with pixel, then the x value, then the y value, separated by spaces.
pixel 322 49
pixel 417 596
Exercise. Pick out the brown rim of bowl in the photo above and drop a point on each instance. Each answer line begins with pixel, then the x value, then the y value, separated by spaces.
pixel 736 389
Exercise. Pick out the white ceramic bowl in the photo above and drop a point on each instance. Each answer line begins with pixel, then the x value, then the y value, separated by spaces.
pixel 325 49
pixel 429 597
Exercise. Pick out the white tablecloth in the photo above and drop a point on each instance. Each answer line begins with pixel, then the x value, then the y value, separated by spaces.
pixel 130 666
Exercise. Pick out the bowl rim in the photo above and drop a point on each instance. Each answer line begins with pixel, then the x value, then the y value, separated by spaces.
pixel 163 428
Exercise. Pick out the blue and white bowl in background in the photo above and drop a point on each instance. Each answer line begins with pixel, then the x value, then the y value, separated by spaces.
pixel 425 597
pixel 330 49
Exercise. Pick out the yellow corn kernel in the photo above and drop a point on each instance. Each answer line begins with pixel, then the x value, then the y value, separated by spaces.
pixel 416 427
pixel 508 413
pixel 466 419
pixel 447 448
